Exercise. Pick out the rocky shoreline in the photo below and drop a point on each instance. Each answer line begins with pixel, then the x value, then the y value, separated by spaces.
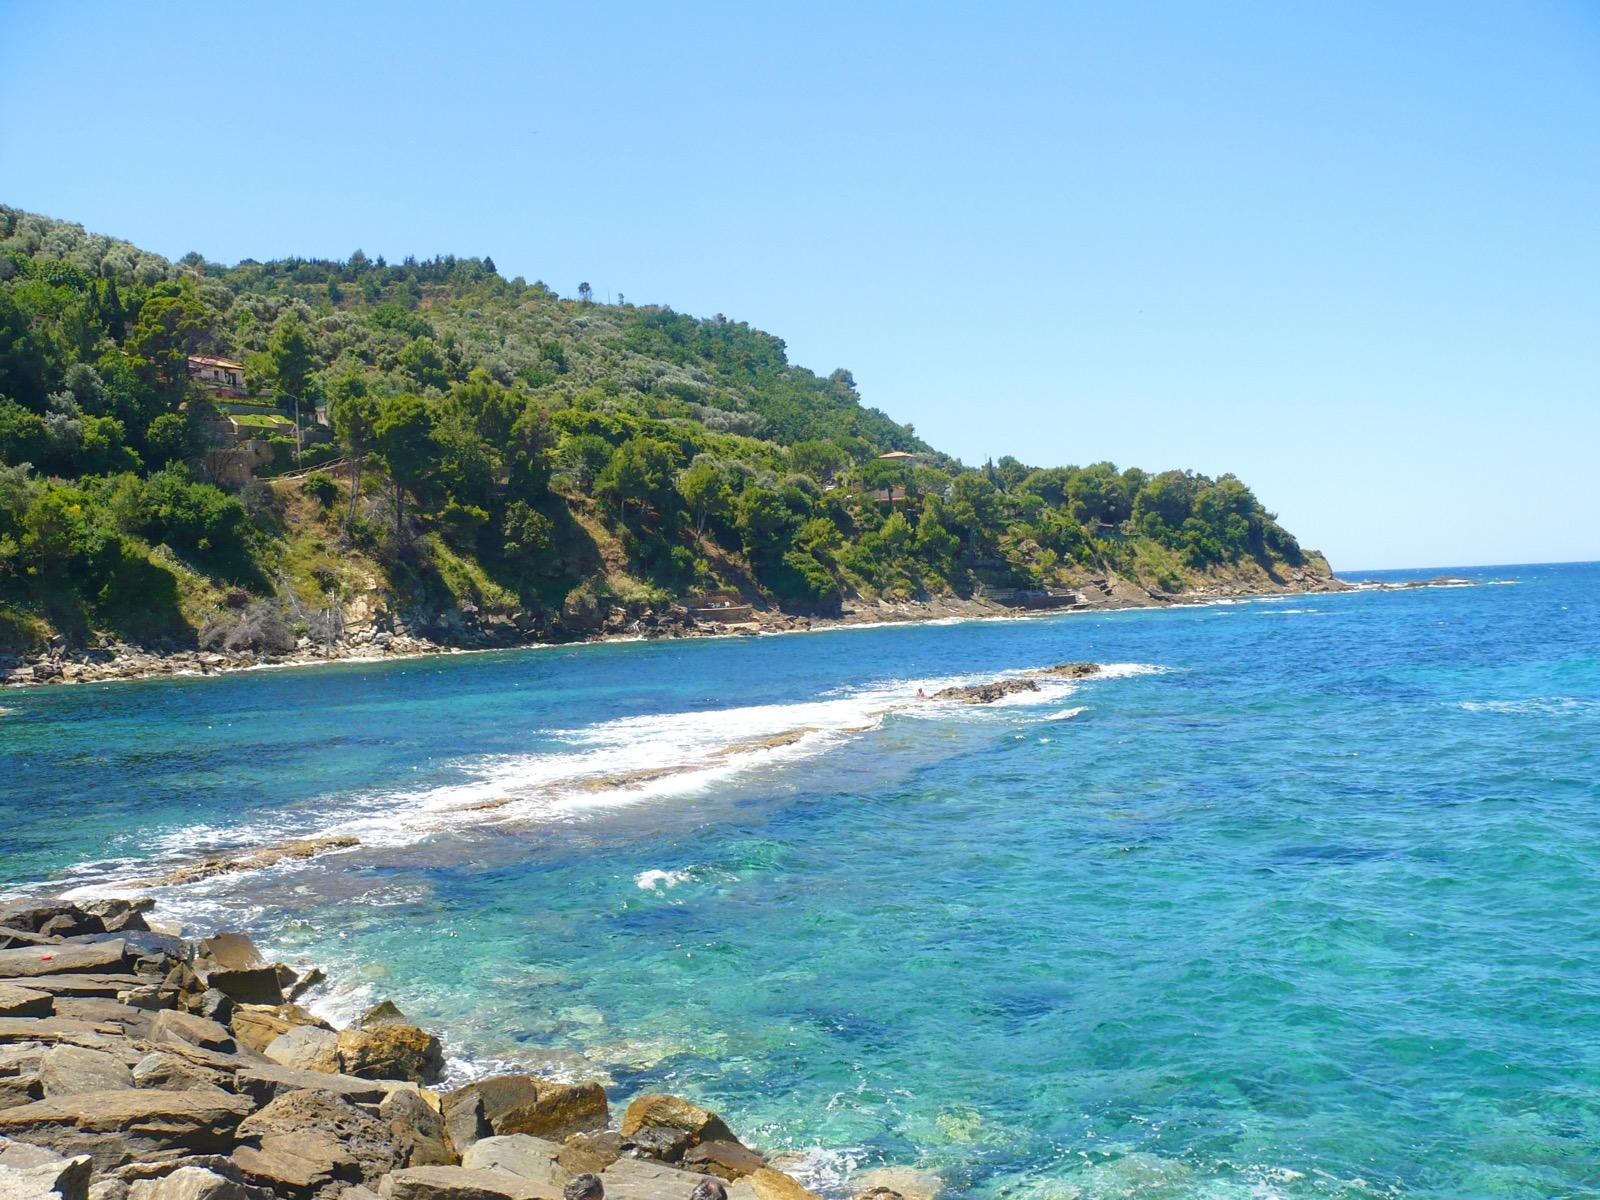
pixel 393 638
pixel 137 1065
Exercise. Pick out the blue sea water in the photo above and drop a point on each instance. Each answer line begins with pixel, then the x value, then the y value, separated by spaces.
pixel 1300 900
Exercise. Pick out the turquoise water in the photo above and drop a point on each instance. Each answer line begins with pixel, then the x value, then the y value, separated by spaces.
pixel 1299 902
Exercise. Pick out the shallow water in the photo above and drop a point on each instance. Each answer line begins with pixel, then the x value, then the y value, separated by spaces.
pixel 1298 902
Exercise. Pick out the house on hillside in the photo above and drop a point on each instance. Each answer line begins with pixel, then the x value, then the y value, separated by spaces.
pixel 896 456
pixel 220 376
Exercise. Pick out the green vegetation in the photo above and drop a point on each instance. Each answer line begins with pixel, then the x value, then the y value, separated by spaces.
pixel 502 451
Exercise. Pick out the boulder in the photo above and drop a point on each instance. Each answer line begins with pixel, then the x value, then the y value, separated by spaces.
pixel 459 1183
pixel 69 1070
pixel 725 1159
pixel 54 1179
pixel 306 1048
pixel 234 951
pixel 315 1122
pixel 909 1183
pixel 132 1125
pixel 257 1025
pixel 506 1104
pixel 769 1184
pixel 19 1089
pixel 302 1164
pixel 191 1183
pixel 640 1179
pixel 530 1158
pixel 151 997
pixel 18 1001
pixel 172 1025
pixel 170 1073
pixel 134 1022
pixel 213 1004
pixel 417 1129
pixel 28 961
pixel 382 1013
pixel 245 985
pixel 657 1110
pixel 391 1050
pixel 591 1153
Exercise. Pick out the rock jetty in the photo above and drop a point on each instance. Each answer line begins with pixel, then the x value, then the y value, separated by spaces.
pixel 136 1065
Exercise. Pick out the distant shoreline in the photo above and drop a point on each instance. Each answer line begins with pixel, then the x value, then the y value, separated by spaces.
pixel 130 663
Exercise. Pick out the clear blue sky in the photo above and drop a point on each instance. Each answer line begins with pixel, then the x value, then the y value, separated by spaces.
pixel 1349 251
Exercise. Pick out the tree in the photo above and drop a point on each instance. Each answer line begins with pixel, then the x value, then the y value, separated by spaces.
pixel 289 355
pixel 585 292
pixel 402 436
pixel 353 413
pixel 639 473
pixel 706 493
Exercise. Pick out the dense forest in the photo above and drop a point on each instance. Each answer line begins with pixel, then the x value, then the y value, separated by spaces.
pixel 433 439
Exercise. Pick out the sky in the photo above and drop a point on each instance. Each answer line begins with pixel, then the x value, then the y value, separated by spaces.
pixel 1347 251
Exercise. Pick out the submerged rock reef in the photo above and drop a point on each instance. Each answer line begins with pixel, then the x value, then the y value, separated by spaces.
pixel 137 1065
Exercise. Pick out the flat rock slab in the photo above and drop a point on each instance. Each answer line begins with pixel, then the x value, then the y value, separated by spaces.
pixel 640 1179
pixel 126 1126
pixel 52 1030
pixel 99 985
pixel 460 1183
pixel 529 1158
pixel 30 961
pixel 18 1001
pixel 172 1025
pixel 265 1081
pixel 71 1070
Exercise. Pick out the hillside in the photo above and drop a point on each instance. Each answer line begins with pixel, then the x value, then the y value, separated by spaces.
pixel 428 445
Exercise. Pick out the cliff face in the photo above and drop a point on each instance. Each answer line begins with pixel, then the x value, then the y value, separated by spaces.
pixel 270 456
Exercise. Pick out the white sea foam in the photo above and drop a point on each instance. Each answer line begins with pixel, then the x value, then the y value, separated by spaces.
pixel 1534 706
pixel 1066 714
pixel 658 880
pixel 630 760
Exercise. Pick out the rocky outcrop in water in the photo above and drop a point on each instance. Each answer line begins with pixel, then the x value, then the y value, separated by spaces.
pixel 138 1066
pixel 995 689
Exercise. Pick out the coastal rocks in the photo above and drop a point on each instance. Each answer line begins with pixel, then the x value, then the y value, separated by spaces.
pixel 390 1050
pixel 1071 670
pixel 264 1082
pixel 28 1171
pixel 460 1183
pixel 252 860
pixel 530 1158
pixel 30 961
pixel 641 1179
pixel 18 1001
pixel 306 1048
pixel 671 1129
pixel 169 1073
pixel 985 693
pixel 132 1125
pixel 170 1025
pixel 305 1140
pixel 70 1070
pixel 505 1104
pixel 417 1129
pixel 193 1183
pixel 770 1184
pixel 908 1183
pixel 258 1026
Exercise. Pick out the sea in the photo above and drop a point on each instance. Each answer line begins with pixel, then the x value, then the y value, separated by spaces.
pixel 1299 897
